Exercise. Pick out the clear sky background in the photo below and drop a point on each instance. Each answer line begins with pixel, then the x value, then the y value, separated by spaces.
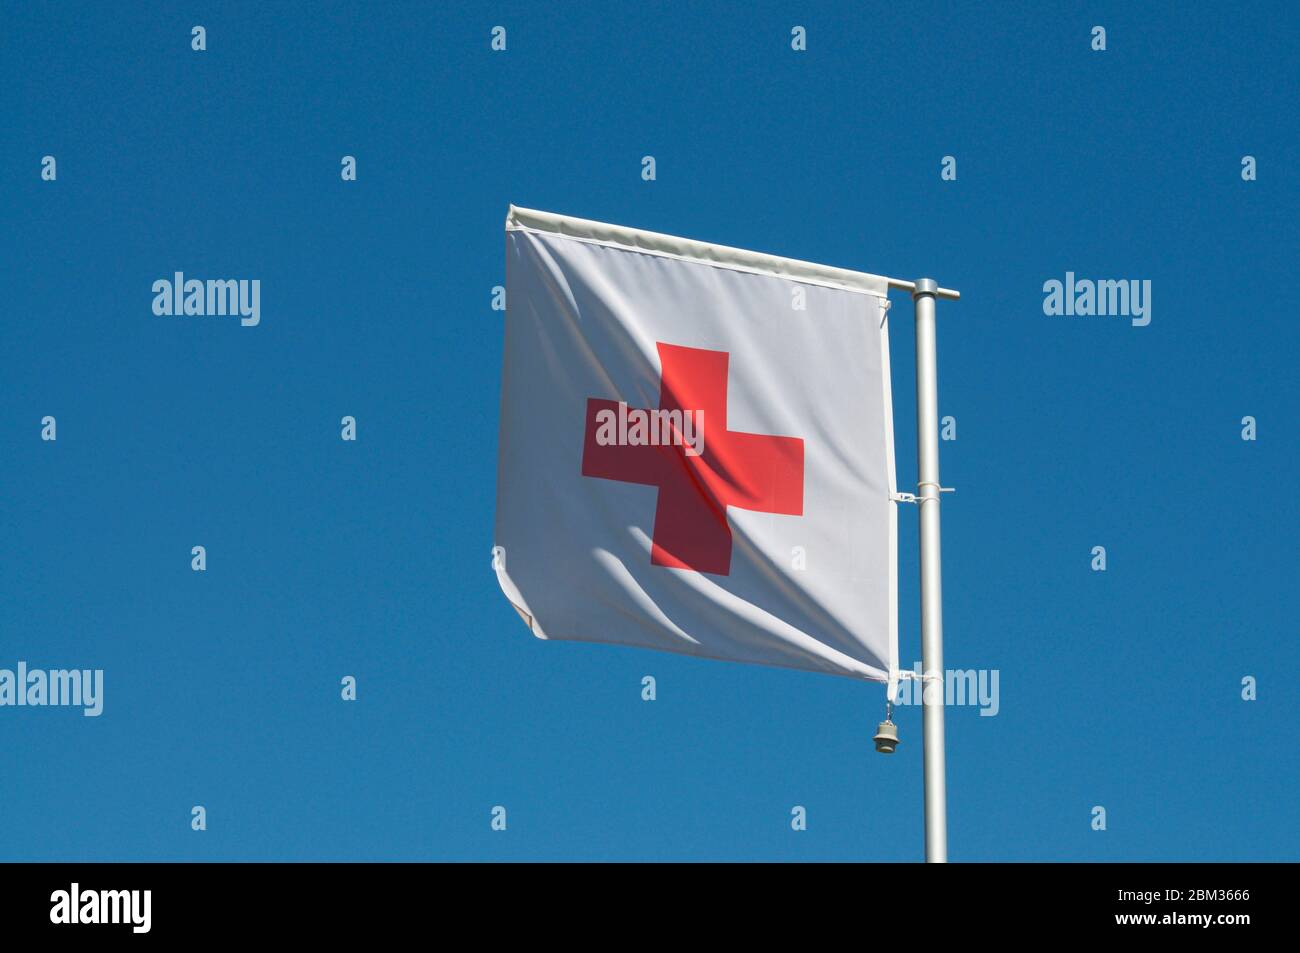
pixel 325 558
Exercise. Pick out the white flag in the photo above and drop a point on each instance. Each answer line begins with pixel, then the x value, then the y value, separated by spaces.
pixel 696 449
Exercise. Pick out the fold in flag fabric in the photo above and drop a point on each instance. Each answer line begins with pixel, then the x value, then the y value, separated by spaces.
pixel 696 449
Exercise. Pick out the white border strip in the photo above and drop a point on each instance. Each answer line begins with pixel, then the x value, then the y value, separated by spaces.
pixel 722 256
pixel 887 393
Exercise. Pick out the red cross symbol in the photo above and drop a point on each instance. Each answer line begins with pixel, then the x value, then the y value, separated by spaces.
pixel 746 470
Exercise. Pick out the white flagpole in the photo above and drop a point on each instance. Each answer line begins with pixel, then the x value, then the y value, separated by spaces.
pixel 928 491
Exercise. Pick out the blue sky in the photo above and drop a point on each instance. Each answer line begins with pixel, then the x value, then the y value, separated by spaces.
pixel 372 558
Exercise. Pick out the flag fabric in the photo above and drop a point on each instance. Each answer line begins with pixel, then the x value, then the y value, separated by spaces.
pixel 696 449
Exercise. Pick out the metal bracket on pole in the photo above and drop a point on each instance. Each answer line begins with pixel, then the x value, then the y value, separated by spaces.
pixel 923 286
pixel 913 498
